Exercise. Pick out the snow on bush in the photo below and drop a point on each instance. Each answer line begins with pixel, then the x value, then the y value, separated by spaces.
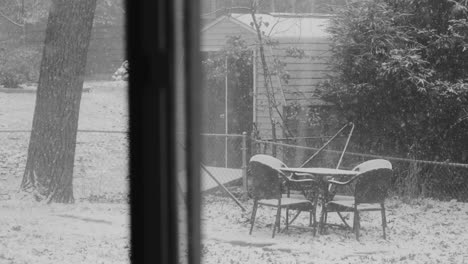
pixel 122 72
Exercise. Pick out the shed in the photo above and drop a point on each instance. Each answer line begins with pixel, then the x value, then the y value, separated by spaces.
pixel 304 32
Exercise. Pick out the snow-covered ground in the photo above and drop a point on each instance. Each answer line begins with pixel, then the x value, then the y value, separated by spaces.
pixel 78 233
pixel 419 231
pixel 96 228
pixel 101 158
pixel 223 175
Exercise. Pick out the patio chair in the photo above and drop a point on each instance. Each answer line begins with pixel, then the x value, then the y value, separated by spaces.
pixel 370 190
pixel 267 185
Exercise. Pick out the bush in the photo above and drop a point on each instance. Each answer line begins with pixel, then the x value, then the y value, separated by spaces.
pixel 402 78
pixel 122 72
pixel 19 65
pixel 9 79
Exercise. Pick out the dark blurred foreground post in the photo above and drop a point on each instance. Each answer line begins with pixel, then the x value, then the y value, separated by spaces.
pixel 153 53
pixel 51 154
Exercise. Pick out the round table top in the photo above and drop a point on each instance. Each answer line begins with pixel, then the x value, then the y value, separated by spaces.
pixel 321 171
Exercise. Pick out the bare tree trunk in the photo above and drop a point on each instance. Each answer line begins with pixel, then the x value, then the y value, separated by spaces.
pixel 267 79
pixel 270 94
pixel 51 153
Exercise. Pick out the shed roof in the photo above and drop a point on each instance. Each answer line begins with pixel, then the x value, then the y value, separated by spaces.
pixel 281 26
pixel 228 18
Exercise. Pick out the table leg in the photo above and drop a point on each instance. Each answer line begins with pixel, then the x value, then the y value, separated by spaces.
pixel 324 208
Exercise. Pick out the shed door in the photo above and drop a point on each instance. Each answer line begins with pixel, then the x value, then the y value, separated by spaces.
pixel 227 108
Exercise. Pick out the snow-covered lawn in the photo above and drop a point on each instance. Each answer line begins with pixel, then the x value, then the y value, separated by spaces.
pixel 96 228
pixel 419 231
pixel 101 158
pixel 79 233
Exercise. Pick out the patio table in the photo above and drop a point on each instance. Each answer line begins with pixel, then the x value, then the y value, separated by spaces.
pixel 322 175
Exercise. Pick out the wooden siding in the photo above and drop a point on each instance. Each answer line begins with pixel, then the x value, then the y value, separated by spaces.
pixel 305 73
pixel 262 112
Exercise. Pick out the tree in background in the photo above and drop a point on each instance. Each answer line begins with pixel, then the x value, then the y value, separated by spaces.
pixel 401 76
pixel 19 56
pixel 18 62
pixel 33 11
pixel 49 166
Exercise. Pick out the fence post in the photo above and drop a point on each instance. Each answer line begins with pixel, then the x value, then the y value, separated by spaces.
pixel 225 151
pixel 244 162
pixel 273 145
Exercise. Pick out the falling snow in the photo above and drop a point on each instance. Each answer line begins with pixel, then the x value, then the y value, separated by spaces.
pixel 96 228
pixel 419 231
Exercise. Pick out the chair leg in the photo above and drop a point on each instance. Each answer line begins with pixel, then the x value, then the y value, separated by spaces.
pixel 384 221
pixel 252 218
pixel 287 218
pixel 343 220
pixel 323 218
pixel 310 218
pixel 314 212
pixel 354 221
pixel 314 216
pixel 357 224
pixel 278 226
pixel 277 221
pixel 294 218
pixel 313 222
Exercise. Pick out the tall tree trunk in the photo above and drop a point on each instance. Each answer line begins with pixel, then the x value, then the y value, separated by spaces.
pixel 270 94
pixel 51 153
pixel 270 91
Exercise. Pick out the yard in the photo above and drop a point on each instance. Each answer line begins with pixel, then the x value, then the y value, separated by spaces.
pixel 419 231
pixel 96 228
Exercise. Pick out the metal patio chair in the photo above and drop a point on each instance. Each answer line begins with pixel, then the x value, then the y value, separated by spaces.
pixel 370 190
pixel 271 187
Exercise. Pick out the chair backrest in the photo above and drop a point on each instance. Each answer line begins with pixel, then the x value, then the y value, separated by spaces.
pixel 373 164
pixel 362 167
pixel 268 160
pixel 373 181
pixel 265 181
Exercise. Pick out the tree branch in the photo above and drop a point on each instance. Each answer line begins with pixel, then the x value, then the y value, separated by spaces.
pixel 10 20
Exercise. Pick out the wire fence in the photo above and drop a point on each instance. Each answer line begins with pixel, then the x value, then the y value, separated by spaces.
pixel 225 156
pixel 101 164
pixel 222 150
pixel 100 169
pixel 411 178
